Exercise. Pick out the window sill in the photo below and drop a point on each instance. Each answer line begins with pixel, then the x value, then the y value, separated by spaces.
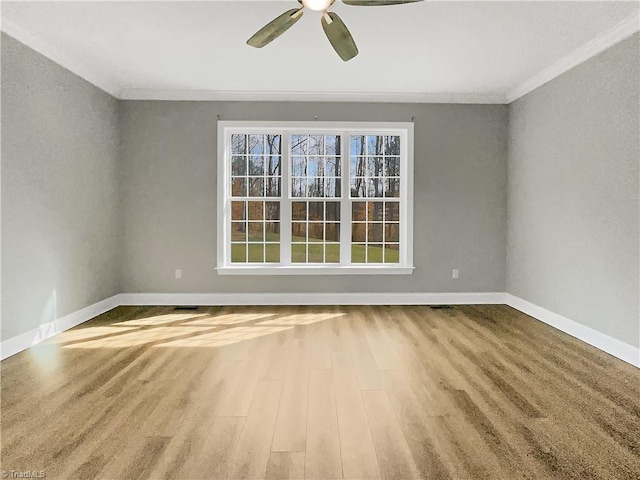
pixel 315 270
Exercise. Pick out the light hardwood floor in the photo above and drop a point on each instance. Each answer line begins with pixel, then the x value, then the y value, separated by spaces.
pixel 471 392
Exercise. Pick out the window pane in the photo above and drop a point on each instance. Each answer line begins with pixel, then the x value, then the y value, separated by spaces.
pixel 238 210
pixel 299 166
pixel 333 145
pixel 273 187
pixel 392 145
pixel 256 187
pixel 333 187
pixel 316 253
pixel 332 167
pixel 358 253
pixel 392 166
pixel 375 211
pixel 316 211
pixel 359 232
pixel 238 144
pixel 272 211
pixel 375 187
pixel 239 187
pixel 256 144
pixel 298 210
pixel 332 232
pixel 272 232
pixel 315 167
pixel 393 212
pixel 315 187
pixel 256 210
pixel 238 253
pixel 358 187
pixel 239 166
pixel 273 166
pixel 392 232
pixel 392 187
pixel 299 253
pixel 374 253
pixel 238 232
pixel 298 232
pixel 272 253
pixel 316 232
pixel 358 145
pixel 392 254
pixel 256 232
pixel 299 144
pixel 299 187
pixel 358 166
pixel 374 232
pixel 332 211
pixel 332 253
pixel 256 253
pixel 273 144
pixel 316 145
pixel 374 167
pixel 359 211
pixel 256 166
pixel 374 145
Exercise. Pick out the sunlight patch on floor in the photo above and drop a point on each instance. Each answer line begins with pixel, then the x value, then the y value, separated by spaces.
pixel 301 319
pixel 161 319
pixel 224 337
pixel 231 318
pixel 189 330
pixel 139 337
pixel 85 333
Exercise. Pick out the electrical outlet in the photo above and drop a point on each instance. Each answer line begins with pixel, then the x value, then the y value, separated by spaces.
pixel 178 274
pixel 455 274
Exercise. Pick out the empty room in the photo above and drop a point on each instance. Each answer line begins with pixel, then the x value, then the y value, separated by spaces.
pixel 320 239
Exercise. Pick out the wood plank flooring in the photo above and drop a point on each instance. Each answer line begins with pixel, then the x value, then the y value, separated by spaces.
pixel 470 392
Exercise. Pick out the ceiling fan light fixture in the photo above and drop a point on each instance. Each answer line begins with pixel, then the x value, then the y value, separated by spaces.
pixel 317 5
pixel 334 28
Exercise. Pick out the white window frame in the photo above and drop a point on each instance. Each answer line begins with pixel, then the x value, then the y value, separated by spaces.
pixel 286 129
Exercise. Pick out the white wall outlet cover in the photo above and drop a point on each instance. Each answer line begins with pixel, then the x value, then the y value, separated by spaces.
pixel 455 274
pixel 178 274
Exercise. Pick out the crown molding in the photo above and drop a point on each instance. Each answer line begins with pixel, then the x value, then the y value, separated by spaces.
pixel 616 34
pixel 52 53
pixel 257 96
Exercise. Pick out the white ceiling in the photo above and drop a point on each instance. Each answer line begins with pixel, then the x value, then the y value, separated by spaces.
pixel 480 51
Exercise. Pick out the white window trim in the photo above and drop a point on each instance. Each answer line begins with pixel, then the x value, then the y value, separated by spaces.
pixel 404 129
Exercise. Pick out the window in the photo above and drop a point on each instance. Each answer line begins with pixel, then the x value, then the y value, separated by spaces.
pixel 315 198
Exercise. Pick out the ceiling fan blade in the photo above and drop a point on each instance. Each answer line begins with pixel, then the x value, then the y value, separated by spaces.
pixel 275 28
pixel 339 36
pixel 377 3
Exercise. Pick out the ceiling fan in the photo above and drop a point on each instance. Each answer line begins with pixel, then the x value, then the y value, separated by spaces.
pixel 335 29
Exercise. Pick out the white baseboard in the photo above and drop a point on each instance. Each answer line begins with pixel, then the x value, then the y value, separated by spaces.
pixel 311 298
pixel 612 346
pixel 47 330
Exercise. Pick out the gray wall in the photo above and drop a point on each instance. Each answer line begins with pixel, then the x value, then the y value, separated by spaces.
pixel 169 190
pixel 59 191
pixel 573 203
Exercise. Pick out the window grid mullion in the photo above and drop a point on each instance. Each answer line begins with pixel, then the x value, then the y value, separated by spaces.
pixel 285 206
pixel 345 203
